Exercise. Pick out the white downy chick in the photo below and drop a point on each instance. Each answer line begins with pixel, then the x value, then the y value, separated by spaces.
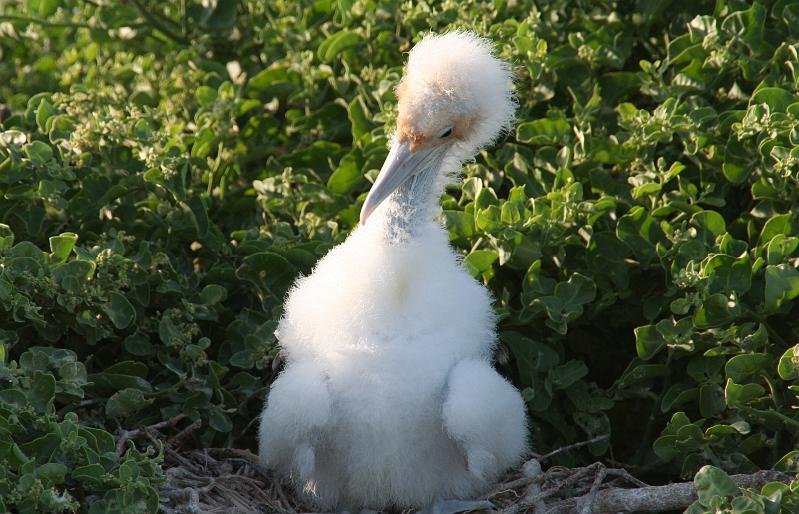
pixel 388 398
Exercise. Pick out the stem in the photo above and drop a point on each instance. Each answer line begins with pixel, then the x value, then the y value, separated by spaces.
pixel 184 16
pixel 156 23
pixel 573 446
pixel 789 423
pixel 45 23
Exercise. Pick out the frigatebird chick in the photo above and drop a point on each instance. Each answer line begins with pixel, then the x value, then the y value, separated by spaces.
pixel 388 398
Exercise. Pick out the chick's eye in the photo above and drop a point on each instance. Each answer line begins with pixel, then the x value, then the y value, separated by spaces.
pixel 445 133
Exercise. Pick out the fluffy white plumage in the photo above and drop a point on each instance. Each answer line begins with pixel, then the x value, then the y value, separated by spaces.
pixel 388 397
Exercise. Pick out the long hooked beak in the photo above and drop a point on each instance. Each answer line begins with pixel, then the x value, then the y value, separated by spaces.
pixel 401 164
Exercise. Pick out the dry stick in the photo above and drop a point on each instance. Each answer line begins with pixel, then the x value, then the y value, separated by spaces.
pixel 588 499
pixel 175 441
pixel 207 476
pixel 532 468
pixel 129 434
pixel 245 455
pixel 527 503
pixel 527 480
pixel 283 497
pixel 512 485
pixel 573 446
pixel 623 474
pixel 663 497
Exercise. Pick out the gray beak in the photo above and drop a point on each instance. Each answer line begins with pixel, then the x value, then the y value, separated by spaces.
pixel 400 165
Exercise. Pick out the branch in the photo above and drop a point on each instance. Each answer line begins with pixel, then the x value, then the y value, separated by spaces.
pixel 661 497
pixel 45 23
pixel 175 441
pixel 573 446
pixel 589 499
pixel 160 27
pixel 129 434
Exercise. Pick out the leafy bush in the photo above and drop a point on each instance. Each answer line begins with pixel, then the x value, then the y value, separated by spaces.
pixel 167 171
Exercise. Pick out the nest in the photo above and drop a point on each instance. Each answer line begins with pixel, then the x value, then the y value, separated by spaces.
pixel 231 481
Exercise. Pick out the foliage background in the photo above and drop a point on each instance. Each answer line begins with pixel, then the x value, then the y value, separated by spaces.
pixel 167 169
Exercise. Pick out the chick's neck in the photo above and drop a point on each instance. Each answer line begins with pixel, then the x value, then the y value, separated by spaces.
pixel 412 205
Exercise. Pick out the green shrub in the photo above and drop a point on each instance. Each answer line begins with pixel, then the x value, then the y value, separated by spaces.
pixel 166 172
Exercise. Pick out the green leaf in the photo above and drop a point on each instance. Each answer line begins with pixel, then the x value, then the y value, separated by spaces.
pixel 677 396
pixel 125 403
pixel 782 284
pixel 742 366
pixel 73 274
pixel 459 223
pixel 648 341
pixel 39 153
pixel 665 447
pixel 271 273
pixel 205 96
pixel 218 420
pixel 52 471
pixel 781 224
pixel 776 98
pixel 728 274
pixel 205 142
pixel 199 214
pixel 168 331
pixel 42 391
pixel 711 400
pixel 779 248
pixel 578 290
pixel 359 118
pixel 337 43
pixel 479 262
pixel 139 345
pixel 530 355
pixel 567 374
pixel 716 310
pixel 640 232
pixel 91 473
pixel 489 219
pixel 710 224
pixel 132 368
pixel 544 131
pixel 212 294
pixel 788 366
pixel 43 8
pixel 119 310
pixel 43 113
pixel 711 484
pixel 272 82
pixel 347 176
pixel 222 16
pixel 736 395
pixel 789 462
pixel 61 245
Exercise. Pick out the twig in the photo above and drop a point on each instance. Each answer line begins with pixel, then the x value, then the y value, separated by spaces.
pixel 175 441
pixel 286 502
pixel 660 498
pixel 513 484
pixel 45 23
pixel 588 499
pixel 575 477
pixel 532 468
pixel 625 475
pixel 528 479
pixel 573 446
pixel 156 23
pixel 129 434
pixel 245 455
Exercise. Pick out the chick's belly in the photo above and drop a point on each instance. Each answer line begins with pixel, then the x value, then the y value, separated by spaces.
pixel 389 425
